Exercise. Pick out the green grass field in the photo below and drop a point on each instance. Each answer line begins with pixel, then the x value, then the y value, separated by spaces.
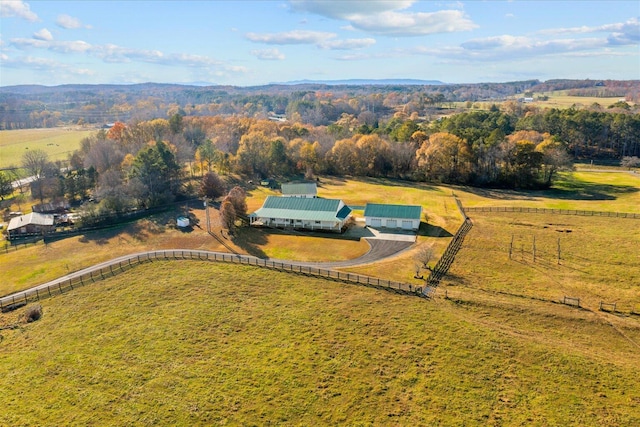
pixel 187 343
pixel 58 143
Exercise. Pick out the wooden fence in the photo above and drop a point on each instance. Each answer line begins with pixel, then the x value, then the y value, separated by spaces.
pixel 552 211
pixel 449 255
pixel 119 265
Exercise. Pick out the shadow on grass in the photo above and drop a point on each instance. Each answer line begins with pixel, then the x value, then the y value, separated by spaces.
pixel 250 239
pixel 429 230
pixel 569 188
pixel 572 189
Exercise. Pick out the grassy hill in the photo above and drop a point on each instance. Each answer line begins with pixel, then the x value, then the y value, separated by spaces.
pixel 187 343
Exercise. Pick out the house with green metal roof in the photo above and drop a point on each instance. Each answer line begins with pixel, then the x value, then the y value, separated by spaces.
pixel 405 217
pixel 300 189
pixel 302 213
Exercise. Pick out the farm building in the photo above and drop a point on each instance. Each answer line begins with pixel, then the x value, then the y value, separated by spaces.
pixel 392 216
pixel 302 213
pixel 307 190
pixel 30 224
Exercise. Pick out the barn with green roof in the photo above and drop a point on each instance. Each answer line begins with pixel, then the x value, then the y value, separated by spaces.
pixel 302 213
pixel 405 217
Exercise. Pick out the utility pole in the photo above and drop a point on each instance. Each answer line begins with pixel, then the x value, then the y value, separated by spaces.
pixel 206 210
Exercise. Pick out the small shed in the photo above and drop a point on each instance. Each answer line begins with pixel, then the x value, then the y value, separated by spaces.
pixel 182 222
pixel 405 217
pixel 308 190
pixel 30 225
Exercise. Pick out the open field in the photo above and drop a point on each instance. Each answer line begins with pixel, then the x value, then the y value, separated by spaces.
pixel 599 258
pixel 560 99
pixel 58 143
pixel 188 343
pixel 593 191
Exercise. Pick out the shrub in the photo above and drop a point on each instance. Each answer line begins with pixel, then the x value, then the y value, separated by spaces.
pixel 33 313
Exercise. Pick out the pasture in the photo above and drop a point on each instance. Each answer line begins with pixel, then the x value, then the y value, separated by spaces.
pixel 561 99
pixel 58 143
pixel 188 343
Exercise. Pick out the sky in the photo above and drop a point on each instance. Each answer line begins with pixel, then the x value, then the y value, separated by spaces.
pixel 250 43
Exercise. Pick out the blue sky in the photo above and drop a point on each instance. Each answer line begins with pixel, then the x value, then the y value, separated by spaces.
pixel 247 43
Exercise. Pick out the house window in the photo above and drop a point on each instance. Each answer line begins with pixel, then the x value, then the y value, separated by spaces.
pixel 317 222
pixel 298 220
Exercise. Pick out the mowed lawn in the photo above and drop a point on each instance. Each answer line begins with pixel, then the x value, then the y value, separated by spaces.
pixel 197 344
pixel 58 143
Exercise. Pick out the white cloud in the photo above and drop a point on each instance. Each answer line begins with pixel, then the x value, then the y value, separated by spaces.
pixel 17 8
pixel 348 44
pixel 44 65
pixel 268 54
pixel 69 22
pixel 291 37
pixel 343 9
pixel 413 24
pixel 52 45
pixel 387 17
pixel 320 39
pixel 43 34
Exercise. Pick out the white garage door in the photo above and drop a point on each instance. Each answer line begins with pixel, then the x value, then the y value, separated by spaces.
pixel 392 223
pixel 376 222
pixel 407 225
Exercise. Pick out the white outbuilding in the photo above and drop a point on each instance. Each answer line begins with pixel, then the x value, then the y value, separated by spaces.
pixel 404 217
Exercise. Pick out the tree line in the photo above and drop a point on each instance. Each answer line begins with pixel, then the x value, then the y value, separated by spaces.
pixel 147 163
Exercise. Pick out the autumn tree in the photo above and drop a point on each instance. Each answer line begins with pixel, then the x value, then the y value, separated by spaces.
pixel 228 214
pixel 6 187
pixel 554 158
pixel 238 198
pixel 445 157
pixel 117 131
pixel 211 186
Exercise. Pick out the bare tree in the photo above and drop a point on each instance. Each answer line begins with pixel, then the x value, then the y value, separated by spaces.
pixel 424 256
pixel 630 162
pixel 35 162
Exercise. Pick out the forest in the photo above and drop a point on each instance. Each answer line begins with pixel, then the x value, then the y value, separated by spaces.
pixel 165 147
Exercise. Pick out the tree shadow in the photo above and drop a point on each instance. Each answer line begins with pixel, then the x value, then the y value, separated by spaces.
pixel 580 190
pixel 569 188
pixel 500 194
pixel 250 240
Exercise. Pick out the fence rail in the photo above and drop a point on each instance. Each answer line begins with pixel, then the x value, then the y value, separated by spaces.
pixel 119 265
pixel 449 255
pixel 552 211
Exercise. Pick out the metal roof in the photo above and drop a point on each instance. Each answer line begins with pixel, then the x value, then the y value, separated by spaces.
pixel 303 209
pixel 300 188
pixel 378 210
pixel 33 218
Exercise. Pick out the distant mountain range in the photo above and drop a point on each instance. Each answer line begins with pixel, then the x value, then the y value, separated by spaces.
pixel 368 82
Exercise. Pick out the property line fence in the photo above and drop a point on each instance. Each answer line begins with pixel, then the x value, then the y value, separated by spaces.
pixel 122 264
pixel 552 211
pixel 449 255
